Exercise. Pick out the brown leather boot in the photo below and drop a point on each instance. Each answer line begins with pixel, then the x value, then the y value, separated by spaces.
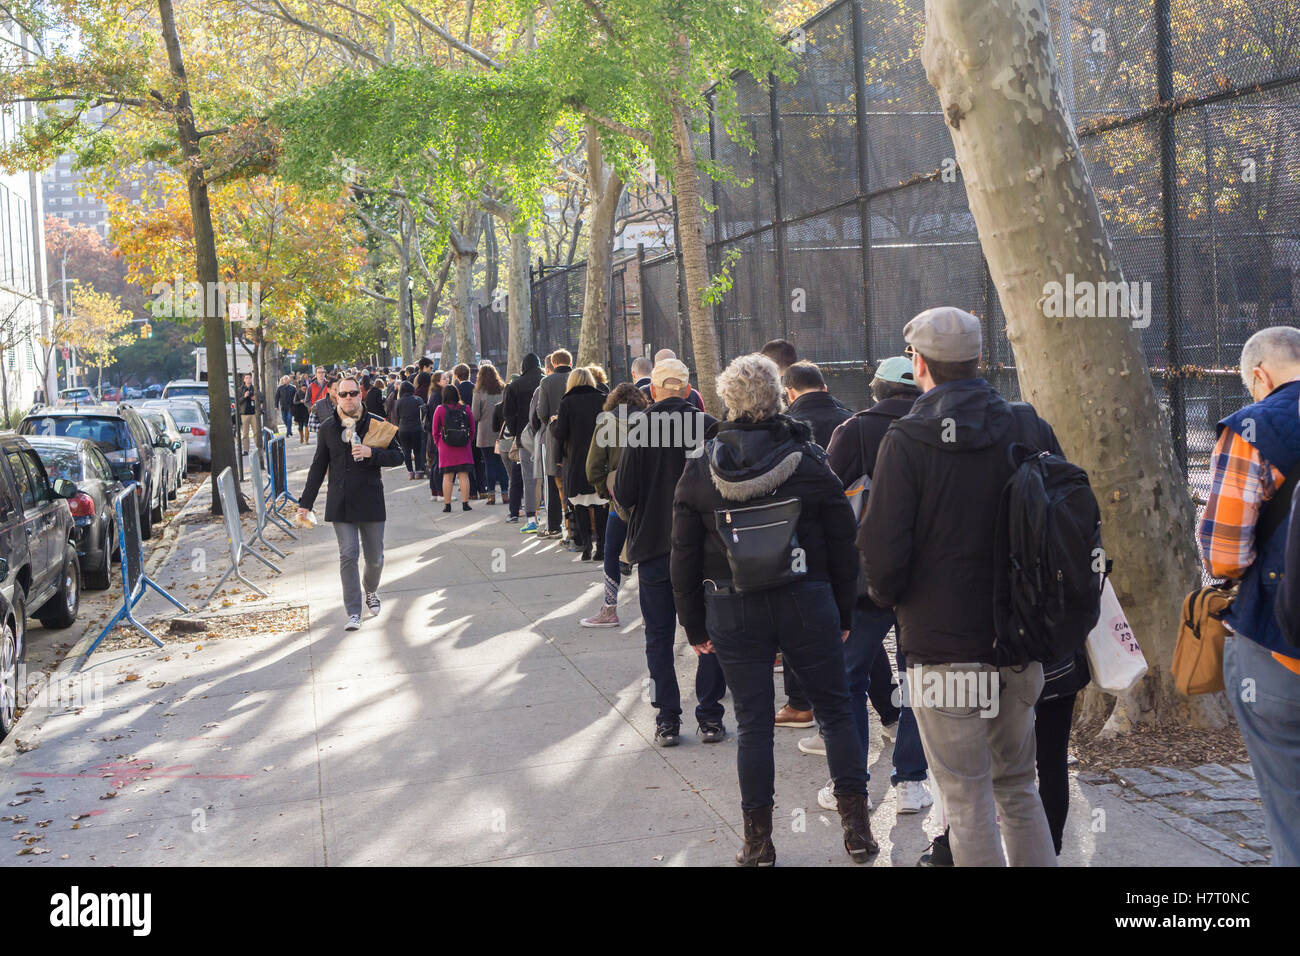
pixel 858 840
pixel 758 849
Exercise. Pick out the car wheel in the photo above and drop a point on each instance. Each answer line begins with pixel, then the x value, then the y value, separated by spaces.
pixel 60 611
pixel 101 578
pixel 146 521
pixel 11 659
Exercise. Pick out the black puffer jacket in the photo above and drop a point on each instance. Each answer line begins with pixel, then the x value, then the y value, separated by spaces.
pixel 775 458
pixel 519 393
pixel 927 535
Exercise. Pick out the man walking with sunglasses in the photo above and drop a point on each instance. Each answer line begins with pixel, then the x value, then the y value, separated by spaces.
pixel 352 446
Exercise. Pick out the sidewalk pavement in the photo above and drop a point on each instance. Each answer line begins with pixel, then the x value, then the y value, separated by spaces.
pixel 474 721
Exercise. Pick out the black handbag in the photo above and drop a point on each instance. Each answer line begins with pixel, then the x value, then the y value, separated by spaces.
pixel 761 544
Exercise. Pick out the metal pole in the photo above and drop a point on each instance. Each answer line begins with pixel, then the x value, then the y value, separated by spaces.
pixel 864 172
pixel 234 421
pixel 778 225
pixel 1169 212
pixel 63 297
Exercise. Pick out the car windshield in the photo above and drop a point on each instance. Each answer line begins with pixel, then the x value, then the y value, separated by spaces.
pixel 110 434
pixel 61 462
pixel 174 390
pixel 186 414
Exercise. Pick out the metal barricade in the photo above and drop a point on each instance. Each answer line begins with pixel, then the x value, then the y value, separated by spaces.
pixel 260 510
pixel 235 535
pixel 277 466
pixel 134 579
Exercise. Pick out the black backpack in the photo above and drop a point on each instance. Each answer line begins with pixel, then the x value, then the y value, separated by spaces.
pixel 455 427
pixel 1047 549
pixel 760 543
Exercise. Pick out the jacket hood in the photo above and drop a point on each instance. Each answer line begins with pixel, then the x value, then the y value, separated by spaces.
pixel 531 361
pixel 750 459
pixel 966 415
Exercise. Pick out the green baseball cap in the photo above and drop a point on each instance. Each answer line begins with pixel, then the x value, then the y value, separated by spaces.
pixel 896 369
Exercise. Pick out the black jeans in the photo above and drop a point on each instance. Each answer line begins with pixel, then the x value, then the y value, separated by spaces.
pixel 412 442
pixel 660 616
pixel 1052 721
pixel 802 621
pixel 881 691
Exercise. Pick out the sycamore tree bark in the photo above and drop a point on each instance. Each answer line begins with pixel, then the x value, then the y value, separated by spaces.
pixel 605 187
pixel 519 306
pixel 205 251
pixel 464 246
pixel 994 68
pixel 690 224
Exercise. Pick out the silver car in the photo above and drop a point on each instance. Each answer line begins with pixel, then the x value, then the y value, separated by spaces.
pixel 162 418
pixel 192 420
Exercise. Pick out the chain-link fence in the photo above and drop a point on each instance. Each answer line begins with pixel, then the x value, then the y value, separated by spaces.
pixel 1185 109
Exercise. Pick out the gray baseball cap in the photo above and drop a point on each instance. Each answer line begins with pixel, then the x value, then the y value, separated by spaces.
pixel 945 334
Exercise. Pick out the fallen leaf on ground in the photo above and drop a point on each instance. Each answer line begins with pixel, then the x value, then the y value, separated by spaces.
pixel 109 796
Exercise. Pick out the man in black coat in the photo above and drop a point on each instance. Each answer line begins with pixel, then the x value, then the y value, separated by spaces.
pixel 647 477
pixel 809 401
pixel 355 500
pixel 514 408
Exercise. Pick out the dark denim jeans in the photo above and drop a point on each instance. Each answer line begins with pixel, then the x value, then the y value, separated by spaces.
pixel 909 755
pixel 495 473
pixel 660 615
pixel 882 690
pixel 615 535
pixel 802 621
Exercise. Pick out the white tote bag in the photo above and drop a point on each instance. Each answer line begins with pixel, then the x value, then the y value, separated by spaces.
pixel 1114 656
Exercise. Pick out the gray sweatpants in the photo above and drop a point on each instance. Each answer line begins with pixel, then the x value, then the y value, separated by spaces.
pixel 530 483
pixel 352 538
pixel 977 728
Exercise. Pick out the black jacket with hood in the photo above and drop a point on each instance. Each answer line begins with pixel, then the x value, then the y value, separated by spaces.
pixel 927 535
pixel 775 458
pixel 575 425
pixel 519 393
pixel 647 476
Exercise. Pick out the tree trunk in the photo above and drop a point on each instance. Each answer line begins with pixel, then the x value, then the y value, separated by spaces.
pixel 690 226
pixel 405 321
pixel 465 250
pixel 993 66
pixel 519 316
pixel 606 188
pixel 222 436
pixel 431 303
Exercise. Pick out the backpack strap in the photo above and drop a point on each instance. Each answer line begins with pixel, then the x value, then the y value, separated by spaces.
pixel 1276 509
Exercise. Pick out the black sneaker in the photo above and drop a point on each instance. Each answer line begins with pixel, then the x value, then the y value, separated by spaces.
pixel 667 735
pixel 711 732
pixel 372 602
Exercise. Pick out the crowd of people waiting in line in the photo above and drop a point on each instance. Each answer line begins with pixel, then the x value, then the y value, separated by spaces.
pixel 570 460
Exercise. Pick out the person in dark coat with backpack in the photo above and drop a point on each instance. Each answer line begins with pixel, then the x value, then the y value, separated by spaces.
pixel 927 543
pixel 575 424
pixel 760 461
pixel 453 433
pixel 410 412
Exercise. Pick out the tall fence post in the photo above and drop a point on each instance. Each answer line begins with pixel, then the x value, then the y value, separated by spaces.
pixel 864 171
pixel 778 207
pixel 1169 213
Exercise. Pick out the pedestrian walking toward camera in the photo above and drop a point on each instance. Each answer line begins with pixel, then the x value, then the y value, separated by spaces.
pixel 247 414
pixel 648 473
pixel 453 432
pixel 352 447
pixel 1243 538
pixel 284 403
pixel 763 560
pixel 928 546
pixel 301 410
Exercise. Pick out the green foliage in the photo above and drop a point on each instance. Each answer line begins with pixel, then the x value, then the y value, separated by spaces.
pixel 341 335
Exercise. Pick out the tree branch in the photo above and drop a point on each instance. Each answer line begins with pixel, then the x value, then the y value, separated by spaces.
pixel 451 40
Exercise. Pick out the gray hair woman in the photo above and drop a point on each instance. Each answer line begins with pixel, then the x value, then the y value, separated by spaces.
pixel 783 578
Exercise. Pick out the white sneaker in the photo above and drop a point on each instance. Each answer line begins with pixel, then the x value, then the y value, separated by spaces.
pixel 913 796
pixel 813 745
pixel 354 623
pixel 826 798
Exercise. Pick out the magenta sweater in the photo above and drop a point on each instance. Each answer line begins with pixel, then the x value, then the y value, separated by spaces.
pixel 449 455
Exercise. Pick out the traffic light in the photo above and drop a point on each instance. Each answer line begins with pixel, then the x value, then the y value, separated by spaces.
pixel 146 331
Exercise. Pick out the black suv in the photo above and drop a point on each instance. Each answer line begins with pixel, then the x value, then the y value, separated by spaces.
pixel 126 441
pixel 38 558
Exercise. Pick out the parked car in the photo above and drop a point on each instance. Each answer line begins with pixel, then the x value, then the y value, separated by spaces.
pixel 110 393
pixel 94 522
pixel 172 429
pixel 153 391
pixel 192 420
pixel 172 449
pixel 187 388
pixel 126 441
pixel 131 391
pixel 77 396
pixel 10 659
pixel 38 558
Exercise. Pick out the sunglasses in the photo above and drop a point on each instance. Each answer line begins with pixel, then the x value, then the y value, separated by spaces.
pixel 909 352
pixel 351 394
